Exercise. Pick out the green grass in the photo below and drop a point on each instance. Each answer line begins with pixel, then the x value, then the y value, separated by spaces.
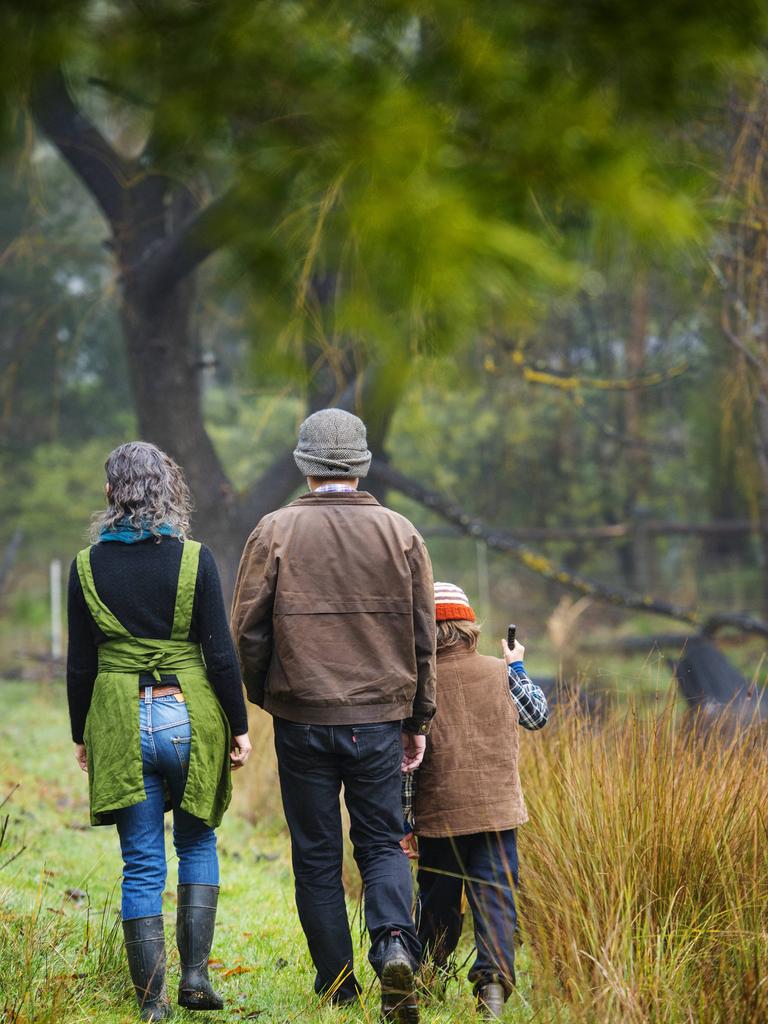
pixel 61 959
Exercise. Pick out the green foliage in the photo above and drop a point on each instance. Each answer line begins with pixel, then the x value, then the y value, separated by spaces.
pixel 404 180
pixel 249 429
pixel 434 158
pixel 62 369
pixel 51 495
pixel 36 35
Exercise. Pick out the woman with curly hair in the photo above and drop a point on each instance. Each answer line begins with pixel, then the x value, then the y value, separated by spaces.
pixel 157 711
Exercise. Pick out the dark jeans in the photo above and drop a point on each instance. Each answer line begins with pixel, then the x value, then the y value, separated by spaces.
pixel 314 761
pixel 484 863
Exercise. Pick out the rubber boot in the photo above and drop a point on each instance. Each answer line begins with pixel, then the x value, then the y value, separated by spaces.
pixel 398 996
pixel 195 923
pixel 145 947
pixel 490 1000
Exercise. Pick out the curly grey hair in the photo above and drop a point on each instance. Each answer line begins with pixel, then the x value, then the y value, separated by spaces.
pixel 146 489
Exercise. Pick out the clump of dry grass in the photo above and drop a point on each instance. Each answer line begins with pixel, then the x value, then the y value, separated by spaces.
pixel 257 787
pixel 645 870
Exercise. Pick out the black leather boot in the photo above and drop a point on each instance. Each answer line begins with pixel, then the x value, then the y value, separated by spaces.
pixel 490 1000
pixel 195 923
pixel 145 947
pixel 398 993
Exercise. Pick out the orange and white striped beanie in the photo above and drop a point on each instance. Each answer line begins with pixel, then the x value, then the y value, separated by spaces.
pixel 452 603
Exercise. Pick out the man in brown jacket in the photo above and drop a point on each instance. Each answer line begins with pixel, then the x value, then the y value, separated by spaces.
pixel 333 617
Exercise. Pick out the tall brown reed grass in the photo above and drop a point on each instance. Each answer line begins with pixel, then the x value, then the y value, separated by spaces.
pixel 257 787
pixel 644 877
pixel 644 867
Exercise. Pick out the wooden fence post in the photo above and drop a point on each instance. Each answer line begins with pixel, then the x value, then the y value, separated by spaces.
pixel 55 589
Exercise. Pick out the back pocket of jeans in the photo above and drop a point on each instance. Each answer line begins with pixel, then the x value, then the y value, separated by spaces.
pixel 380 742
pixel 181 745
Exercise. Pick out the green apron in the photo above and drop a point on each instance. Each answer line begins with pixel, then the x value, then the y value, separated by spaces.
pixel 112 740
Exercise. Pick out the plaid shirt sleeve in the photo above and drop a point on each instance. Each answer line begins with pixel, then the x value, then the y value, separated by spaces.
pixel 408 792
pixel 531 703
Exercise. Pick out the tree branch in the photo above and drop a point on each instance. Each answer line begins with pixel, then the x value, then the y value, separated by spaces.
pixel 738 344
pixel 500 540
pixel 103 171
pixel 166 264
pixel 620 531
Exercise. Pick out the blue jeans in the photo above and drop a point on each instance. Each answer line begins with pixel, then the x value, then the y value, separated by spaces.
pixel 485 866
pixel 165 742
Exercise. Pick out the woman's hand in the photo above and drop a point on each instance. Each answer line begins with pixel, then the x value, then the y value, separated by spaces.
pixel 517 653
pixel 240 752
pixel 81 756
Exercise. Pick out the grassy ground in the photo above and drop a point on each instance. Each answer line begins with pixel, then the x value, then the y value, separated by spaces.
pixel 644 880
pixel 61 956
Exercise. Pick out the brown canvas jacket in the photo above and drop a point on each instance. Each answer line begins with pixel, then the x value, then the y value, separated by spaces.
pixel 334 615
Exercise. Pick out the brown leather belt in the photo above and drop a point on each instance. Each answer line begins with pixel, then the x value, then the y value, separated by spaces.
pixel 163 691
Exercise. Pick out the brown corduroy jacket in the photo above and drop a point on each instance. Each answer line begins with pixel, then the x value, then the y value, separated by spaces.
pixel 334 614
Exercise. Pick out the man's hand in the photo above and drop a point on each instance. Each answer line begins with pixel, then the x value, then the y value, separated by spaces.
pixel 517 653
pixel 240 752
pixel 81 756
pixel 413 751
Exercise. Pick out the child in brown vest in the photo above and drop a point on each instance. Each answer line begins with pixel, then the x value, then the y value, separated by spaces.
pixel 468 801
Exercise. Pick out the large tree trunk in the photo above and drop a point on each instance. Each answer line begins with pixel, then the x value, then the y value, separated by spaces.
pixel 165 380
pixel 164 362
pixel 160 237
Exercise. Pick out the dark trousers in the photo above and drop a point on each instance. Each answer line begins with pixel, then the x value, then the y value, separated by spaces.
pixel 313 762
pixel 485 865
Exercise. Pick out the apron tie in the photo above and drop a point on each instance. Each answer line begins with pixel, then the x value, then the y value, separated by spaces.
pixel 152 662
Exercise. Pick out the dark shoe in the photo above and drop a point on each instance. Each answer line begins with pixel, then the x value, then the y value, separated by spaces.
pixel 490 1000
pixel 398 994
pixel 145 948
pixel 195 923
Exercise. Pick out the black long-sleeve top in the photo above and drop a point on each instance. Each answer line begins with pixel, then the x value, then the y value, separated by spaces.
pixel 138 582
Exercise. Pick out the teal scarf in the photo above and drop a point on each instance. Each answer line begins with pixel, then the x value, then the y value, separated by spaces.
pixel 126 533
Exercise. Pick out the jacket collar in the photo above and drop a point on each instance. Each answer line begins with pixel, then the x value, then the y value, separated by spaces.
pixel 457 651
pixel 336 498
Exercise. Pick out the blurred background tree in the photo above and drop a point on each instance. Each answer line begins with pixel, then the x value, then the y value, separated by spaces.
pixel 488 229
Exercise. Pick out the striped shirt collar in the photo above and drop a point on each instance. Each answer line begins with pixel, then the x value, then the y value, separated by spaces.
pixel 336 488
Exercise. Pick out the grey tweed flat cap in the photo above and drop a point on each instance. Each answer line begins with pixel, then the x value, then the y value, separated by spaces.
pixel 332 443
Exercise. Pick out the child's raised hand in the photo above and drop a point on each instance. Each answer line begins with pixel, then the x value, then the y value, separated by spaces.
pixel 516 653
